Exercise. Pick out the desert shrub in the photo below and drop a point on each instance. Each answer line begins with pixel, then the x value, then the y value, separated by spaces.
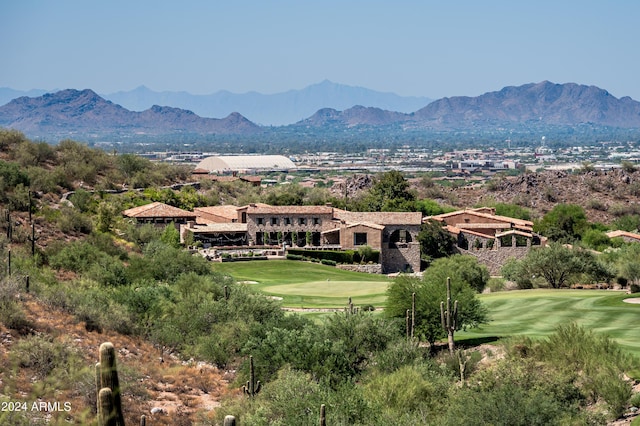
pixel 596 240
pixel 223 343
pixel 496 284
pixel 600 362
pixel 595 204
pixel 77 256
pixel 165 263
pixel 399 353
pixel 72 221
pixel 43 355
pixel 98 310
pixel 409 389
pixel 513 210
pixel 11 314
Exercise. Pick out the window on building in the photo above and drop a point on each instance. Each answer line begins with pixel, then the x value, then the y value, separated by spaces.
pixel 302 221
pixel 274 220
pixel 316 221
pixel 359 238
pixel 287 221
pixel 260 221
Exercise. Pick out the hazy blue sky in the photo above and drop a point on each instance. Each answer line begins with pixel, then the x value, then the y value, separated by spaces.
pixel 423 48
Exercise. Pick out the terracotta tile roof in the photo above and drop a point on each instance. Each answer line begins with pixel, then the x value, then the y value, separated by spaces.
pixel 512 232
pixel 253 205
pixel 456 231
pixel 474 212
pixel 367 224
pixel 157 209
pixel 213 228
pixel 380 218
pixel 618 233
pixel 308 210
pixel 227 211
pixel 251 178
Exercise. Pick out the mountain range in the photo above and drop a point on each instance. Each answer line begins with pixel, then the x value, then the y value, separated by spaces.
pixel 265 109
pixel 85 112
pixel 72 112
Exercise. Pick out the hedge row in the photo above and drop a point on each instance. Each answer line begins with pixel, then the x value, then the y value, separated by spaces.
pixel 315 260
pixel 346 256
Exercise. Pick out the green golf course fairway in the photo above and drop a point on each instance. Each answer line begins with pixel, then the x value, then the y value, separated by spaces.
pixel 309 285
pixel 533 313
pixel 537 313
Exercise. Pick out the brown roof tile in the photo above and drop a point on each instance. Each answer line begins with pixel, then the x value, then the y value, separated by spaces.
pixel 267 209
pixel 380 218
pixel 227 211
pixel 157 209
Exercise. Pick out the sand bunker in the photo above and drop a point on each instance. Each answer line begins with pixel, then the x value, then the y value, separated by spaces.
pixel 632 300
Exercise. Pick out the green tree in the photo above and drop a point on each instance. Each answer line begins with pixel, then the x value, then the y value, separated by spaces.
pixel 464 269
pixel 435 241
pixel 429 207
pixel 564 223
pixel 555 263
pixel 390 192
pixel 512 210
pixel 131 164
pixel 430 291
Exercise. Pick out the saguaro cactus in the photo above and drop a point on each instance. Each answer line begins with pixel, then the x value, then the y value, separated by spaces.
pixel 106 412
pixel 252 387
pixel 226 292
pixel 33 238
pixel 449 317
pixel 109 413
pixel 323 418
pixel 413 313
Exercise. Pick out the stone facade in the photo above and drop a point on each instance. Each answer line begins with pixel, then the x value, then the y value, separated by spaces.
pixel 353 236
pixel 394 234
pixel 401 258
pixel 495 259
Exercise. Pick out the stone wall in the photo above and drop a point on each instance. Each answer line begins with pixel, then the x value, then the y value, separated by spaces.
pixel 396 259
pixel 496 258
pixel 374 268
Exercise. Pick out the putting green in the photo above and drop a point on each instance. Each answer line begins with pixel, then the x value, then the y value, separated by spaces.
pixel 329 288
pixel 309 285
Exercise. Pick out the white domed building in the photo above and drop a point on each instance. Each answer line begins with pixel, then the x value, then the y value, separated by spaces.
pixel 224 164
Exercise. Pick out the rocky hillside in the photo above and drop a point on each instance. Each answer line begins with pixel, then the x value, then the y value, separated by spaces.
pixel 604 195
pixel 166 390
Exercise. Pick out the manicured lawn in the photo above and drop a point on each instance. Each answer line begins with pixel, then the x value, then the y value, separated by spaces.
pixel 309 285
pixel 536 313
pixel 533 313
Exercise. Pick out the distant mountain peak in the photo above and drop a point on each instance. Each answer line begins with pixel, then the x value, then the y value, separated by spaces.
pixel 72 111
pixel 274 109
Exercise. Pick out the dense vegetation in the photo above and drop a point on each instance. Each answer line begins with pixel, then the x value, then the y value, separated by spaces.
pixel 137 280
